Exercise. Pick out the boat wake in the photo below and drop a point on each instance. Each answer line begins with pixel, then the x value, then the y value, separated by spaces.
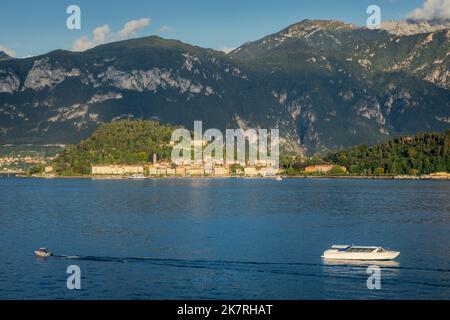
pixel 190 263
pixel 343 270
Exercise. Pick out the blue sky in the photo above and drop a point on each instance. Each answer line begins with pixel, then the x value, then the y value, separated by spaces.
pixel 36 27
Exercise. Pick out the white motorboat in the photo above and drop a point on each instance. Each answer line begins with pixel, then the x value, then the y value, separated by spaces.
pixel 278 178
pixel 43 253
pixel 351 252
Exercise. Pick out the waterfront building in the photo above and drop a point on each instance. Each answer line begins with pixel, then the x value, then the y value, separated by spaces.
pixel 250 171
pixel 221 171
pixel 180 171
pixel 171 171
pixel 117 169
pixel 151 169
pixel 269 171
pixel 161 171
pixel 199 143
pixel 208 169
pixel 182 162
pixel 195 171
pixel 48 169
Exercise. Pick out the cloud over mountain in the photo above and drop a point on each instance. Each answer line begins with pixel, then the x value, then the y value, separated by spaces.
pixel 164 29
pixel 103 34
pixel 8 51
pixel 131 27
pixel 432 10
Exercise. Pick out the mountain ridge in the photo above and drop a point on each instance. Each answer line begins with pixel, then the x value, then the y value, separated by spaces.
pixel 326 85
pixel 4 56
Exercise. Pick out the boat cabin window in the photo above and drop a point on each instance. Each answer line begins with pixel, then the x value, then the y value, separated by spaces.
pixel 360 249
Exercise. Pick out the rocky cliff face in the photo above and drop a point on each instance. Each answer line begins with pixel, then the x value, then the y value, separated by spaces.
pixel 44 75
pixel 9 81
pixel 62 97
pixel 412 27
pixel 343 84
pixel 324 84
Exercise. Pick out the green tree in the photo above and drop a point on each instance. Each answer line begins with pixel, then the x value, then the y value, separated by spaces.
pixel 424 152
pixel 337 170
pixel 36 170
pixel 119 142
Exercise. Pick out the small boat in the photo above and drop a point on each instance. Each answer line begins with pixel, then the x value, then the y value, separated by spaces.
pixel 137 177
pixel 351 252
pixel 43 253
pixel 278 178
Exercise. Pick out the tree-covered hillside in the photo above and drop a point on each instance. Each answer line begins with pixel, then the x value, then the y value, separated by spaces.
pixel 422 154
pixel 119 142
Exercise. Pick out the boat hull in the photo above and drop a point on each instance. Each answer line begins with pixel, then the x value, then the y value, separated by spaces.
pixel 380 256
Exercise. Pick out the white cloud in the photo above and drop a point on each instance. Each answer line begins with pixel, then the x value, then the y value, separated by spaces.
pixel 103 34
pixel 432 10
pixel 227 49
pixel 164 29
pixel 8 51
pixel 132 26
pixel 100 35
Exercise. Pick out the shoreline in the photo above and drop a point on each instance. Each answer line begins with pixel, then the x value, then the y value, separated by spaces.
pixel 112 177
pixel 425 177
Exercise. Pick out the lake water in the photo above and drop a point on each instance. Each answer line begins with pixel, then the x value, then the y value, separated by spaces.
pixel 221 239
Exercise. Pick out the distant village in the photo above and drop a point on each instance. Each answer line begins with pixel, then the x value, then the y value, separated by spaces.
pixel 186 168
pixel 208 167
pixel 20 163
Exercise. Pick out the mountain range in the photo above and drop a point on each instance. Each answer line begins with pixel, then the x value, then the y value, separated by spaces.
pixel 325 84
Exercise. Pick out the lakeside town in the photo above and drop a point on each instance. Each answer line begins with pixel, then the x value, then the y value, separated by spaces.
pixel 168 169
pixel 197 169
pixel 160 168
pixel 9 165
pixel 109 154
pixel 191 168
pixel 212 169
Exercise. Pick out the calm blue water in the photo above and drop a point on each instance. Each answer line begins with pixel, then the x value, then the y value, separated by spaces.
pixel 221 239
